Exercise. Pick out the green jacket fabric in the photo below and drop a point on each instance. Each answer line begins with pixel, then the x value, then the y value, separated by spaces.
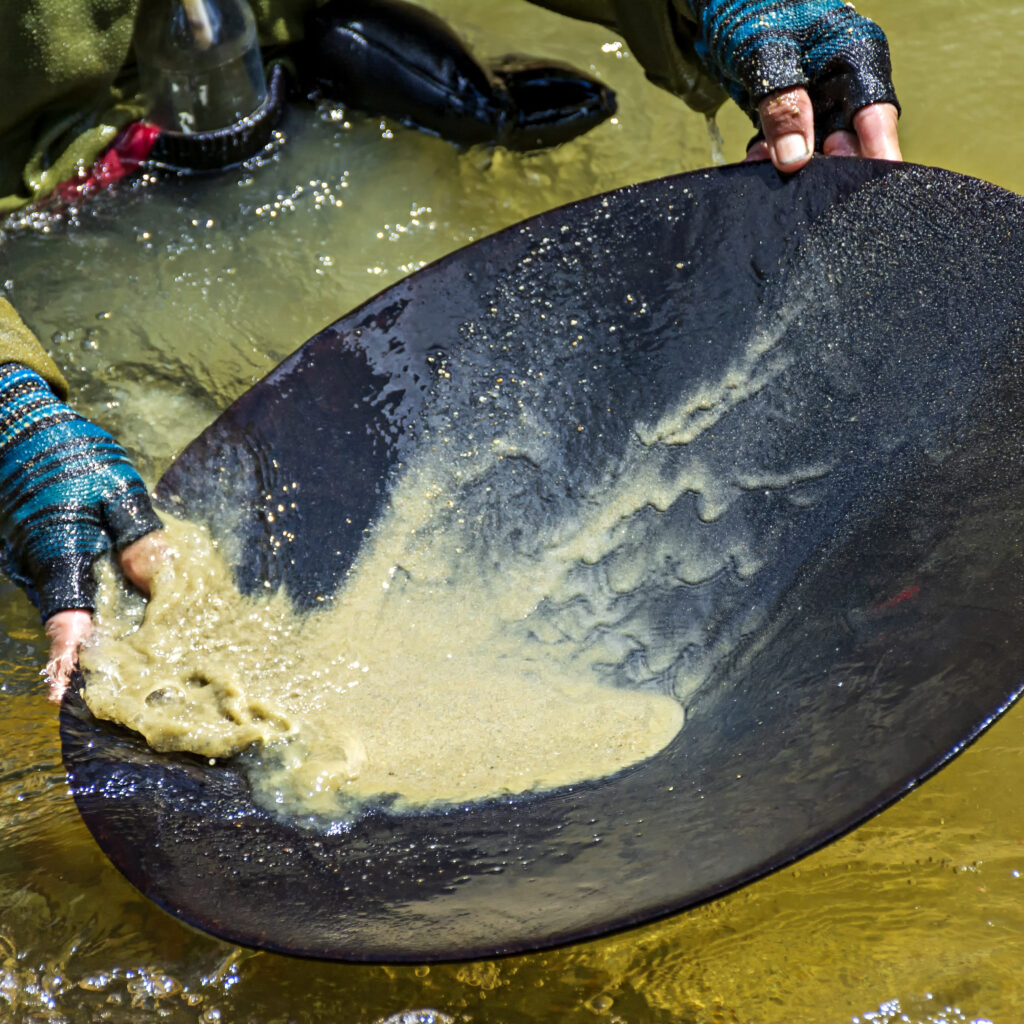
pixel 68 86
pixel 661 35
pixel 19 345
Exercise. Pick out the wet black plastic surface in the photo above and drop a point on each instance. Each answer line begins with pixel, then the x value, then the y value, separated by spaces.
pixel 873 464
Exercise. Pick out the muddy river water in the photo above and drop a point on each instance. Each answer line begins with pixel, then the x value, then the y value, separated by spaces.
pixel 164 303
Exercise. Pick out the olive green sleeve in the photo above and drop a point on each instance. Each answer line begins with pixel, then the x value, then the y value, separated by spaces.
pixel 62 104
pixel 19 345
pixel 660 34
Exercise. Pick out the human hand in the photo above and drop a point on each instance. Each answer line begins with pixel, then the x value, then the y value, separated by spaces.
pixel 67 493
pixel 787 119
pixel 67 630
pixel 803 69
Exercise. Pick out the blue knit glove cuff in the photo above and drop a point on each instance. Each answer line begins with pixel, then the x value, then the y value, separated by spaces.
pixel 67 493
pixel 756 47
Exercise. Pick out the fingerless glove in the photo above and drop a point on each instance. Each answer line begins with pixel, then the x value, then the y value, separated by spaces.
pixel 67 493
pixel 756 47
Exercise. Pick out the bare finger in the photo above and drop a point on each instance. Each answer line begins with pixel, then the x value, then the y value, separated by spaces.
pixel 876 128
pixel 141 560
pixel 841 144
pixel 67 631
pixel 757 152
pixel 787 119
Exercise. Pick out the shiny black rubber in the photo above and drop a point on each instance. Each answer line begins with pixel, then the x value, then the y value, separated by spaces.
pixel 397 60
pixel 550 103
pixel 872 461
pixel 215 150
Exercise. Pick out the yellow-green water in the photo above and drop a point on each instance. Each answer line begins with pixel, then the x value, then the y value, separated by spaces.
pixel 916 916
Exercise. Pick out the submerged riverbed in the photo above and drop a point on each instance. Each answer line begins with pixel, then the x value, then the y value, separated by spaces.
pixel 163 303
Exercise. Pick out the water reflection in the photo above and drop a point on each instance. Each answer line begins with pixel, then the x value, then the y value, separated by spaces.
pixel 916 914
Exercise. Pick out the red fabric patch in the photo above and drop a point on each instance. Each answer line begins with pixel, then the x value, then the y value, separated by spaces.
pixel 133 144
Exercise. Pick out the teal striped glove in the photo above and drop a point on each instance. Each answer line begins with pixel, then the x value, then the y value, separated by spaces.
pixel 67 493
pixel 756 47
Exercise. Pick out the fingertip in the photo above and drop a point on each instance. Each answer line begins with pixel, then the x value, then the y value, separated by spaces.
pixel 66 630
pixel 790 152
pixel 841 144
pixel 787 119
pixel 757 153
pixel 56 688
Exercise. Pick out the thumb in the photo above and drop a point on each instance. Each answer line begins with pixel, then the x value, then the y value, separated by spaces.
pixel 141 560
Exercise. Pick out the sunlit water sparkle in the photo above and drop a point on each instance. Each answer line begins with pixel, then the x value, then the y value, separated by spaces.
pixel 164 302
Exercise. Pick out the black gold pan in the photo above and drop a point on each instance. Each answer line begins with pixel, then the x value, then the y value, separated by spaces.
pixel 852 342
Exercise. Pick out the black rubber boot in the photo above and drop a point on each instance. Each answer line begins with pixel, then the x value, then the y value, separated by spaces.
pixel 550 102
pixel 397 60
